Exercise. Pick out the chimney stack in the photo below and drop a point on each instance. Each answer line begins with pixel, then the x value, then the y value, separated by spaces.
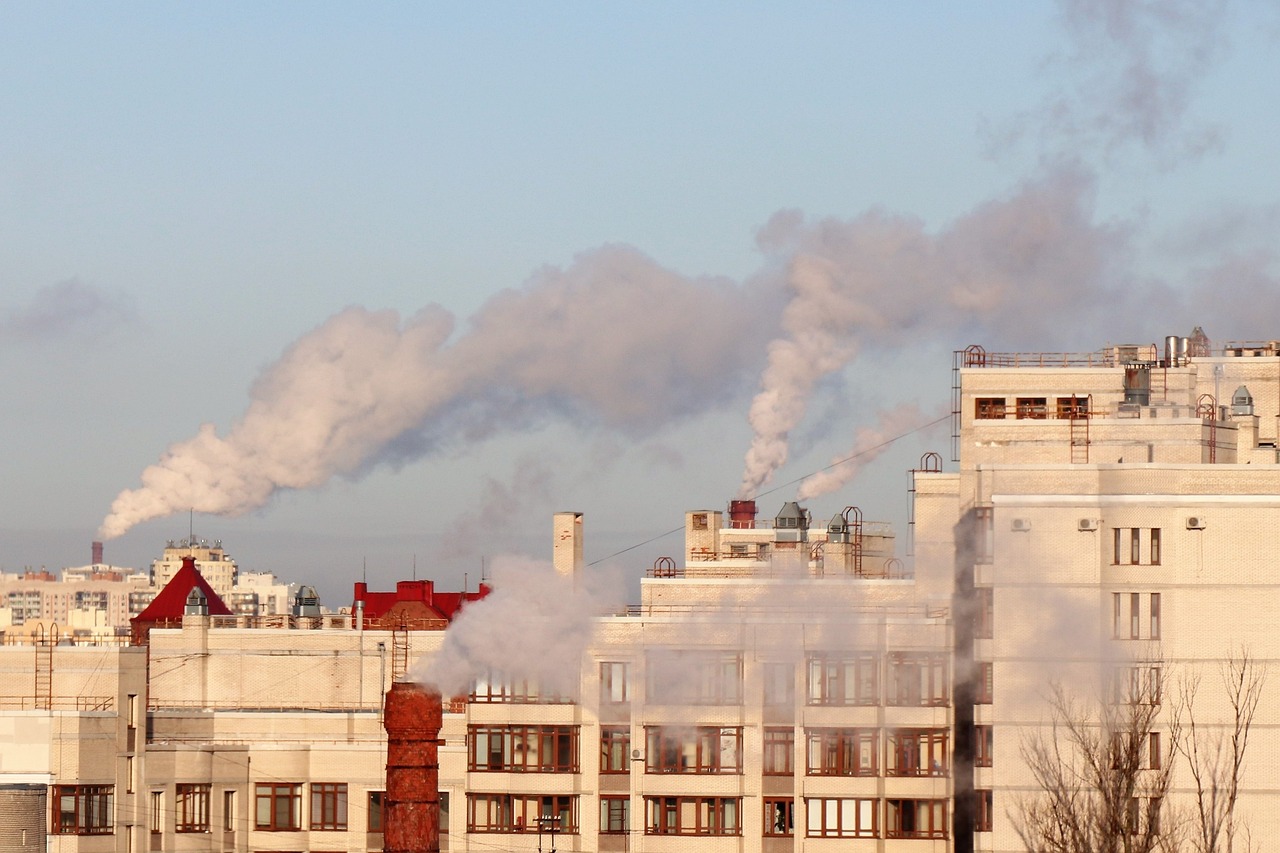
pixel 97 553
pixel 566 550
pixel 411 811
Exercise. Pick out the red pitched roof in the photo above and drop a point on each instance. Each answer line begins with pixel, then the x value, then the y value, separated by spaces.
pixel 171 602
pixel 414 605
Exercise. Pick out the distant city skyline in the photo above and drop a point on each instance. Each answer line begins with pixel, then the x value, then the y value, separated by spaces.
pixel 608 236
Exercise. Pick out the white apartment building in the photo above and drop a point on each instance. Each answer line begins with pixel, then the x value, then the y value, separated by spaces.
pixel 214 563
pixel 1110 525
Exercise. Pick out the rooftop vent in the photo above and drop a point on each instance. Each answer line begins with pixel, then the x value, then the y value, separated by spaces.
pixel 1242 402
pixel 306 602
pixel 197 603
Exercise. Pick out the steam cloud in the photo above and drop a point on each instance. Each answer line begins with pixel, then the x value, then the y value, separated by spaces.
pixel 869 442
pixel 615 339
pixel 536 624
pixel 1011 264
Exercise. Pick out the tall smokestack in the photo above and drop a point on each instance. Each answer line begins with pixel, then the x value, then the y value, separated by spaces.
pixel 412 717
pixel 97 553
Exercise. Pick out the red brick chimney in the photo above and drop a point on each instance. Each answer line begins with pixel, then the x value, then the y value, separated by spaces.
pixel 411 811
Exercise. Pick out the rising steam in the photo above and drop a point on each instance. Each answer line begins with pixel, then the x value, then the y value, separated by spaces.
pixel 869 442
pixel 615 340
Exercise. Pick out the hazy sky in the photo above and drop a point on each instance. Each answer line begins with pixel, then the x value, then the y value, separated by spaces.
pixel 386 285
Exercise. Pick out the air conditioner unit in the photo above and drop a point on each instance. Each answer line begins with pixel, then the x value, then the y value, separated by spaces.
pixel 1195 522
pixel 1088 524
pixel 1020 525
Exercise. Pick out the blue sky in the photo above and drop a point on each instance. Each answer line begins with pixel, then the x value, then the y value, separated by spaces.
pixel 186 192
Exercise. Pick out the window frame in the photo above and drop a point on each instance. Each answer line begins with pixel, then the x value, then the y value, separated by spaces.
pixel 328 812
pixel 92 810
pixel 852 751
pixel 714 816
pixel 522 812
pixel 779 817
pixel 668 750
pixel 917 679
pixel 191 807
pixel 615 749
pixel 825 817
pixel 843 680
pixel 990 408
pixel 917 752
pixel 523 749
pixel 779 751
pixel 283 803
pixel 897 809
pixel 615 814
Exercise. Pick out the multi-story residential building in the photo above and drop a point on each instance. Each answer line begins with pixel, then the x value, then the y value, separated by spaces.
pixel 1110 527
pixel 214 563
pixel 781 684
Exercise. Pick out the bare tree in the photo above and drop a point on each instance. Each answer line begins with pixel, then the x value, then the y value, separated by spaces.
pixel 1215 755
pixel 1103 771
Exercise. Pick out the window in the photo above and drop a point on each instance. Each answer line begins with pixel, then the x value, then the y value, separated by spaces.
pixel 916 752
pixel 779 816
pixel 522 813
pixel 983 744
pixel 1154 759
pixel 1116 619
pixel 495 687
pixel 704 749
pixel 1155 615
pixel 1033 407
pixel 1135 545
pixel 1133 554
pixel 985 626
pixel 1155 546
pixel 699 521
pixel 779 685
pixel 779 752
pixel 83 810
pixel 375 811
pixel 229 810
pixel 278 807
pixel 157 812
pixel 615 814
pixel 917 679
pixel 692 816
pixel 1137 685
pixel 192 808
pixel 986 683
pixel 615 749
pixel 841 818
pixel 1073 407
pixel 329 805
pixel 613 683
pixel 982 814
pixel 1135 616
pixel 694 678
pixel 844 680
pixel 989 408
pixel 915 818
pixel 842 752
pixel 539 749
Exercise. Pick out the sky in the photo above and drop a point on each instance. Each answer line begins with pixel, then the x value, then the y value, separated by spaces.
pixel 370 291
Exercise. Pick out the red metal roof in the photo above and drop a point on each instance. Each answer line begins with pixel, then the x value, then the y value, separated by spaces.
pixel 414 604
pixel 171 602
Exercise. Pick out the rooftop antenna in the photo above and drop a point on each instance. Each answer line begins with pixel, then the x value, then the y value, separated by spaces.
pixel 364 570
pixel 415 566
pixel 191 530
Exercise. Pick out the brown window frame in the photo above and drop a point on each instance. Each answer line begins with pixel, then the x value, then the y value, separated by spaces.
pixel 523 749
pixel 779 751
pixel 984 626
pixel 283 802
pixel 983 811
pixel 615 814
pixel 902 818
pixel 990 408
pixel 522 813
pixel 698 750
pixel 1033 408
pixel 828 822
pixel 614 682
pixel 779 817
pixel 91 810
pixel 717 816
pixel 328 806
pixel 983 745
pixel 615 749
pixel 376 801
pixel 191 807
pixel 842 752
pixel 843 680
pixel 917 752
pixel 917 679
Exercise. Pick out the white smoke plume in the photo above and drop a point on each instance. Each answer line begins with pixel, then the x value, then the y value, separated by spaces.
pixel 614 339
pixel 536 625
pixel 869 442
pixel 1012 265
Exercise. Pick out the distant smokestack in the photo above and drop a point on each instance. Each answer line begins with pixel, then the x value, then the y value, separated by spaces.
pixel 97 554
pixel 411 811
